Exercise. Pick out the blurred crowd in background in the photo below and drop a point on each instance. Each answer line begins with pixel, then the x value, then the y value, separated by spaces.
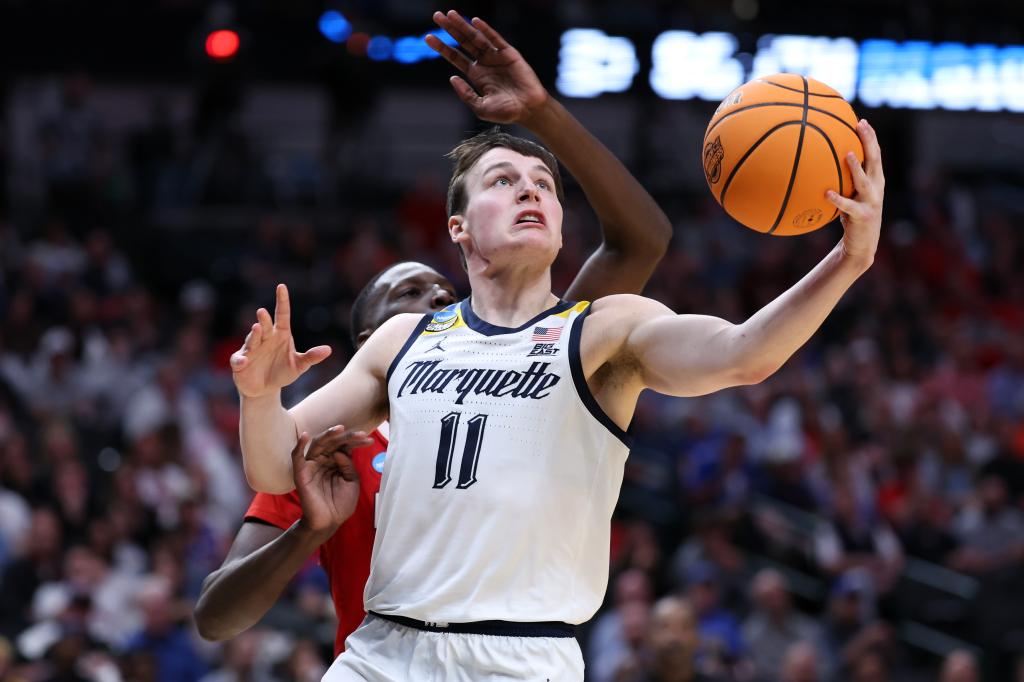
pixel 859 516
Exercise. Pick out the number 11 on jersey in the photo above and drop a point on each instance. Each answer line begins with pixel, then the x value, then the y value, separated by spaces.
pixel 470 453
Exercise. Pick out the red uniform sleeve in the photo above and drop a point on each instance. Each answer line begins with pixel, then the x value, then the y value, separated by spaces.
pixel 277 510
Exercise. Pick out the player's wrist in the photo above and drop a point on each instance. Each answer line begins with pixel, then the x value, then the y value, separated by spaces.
pixel 541 115
pixel 859 256
pixel 315 533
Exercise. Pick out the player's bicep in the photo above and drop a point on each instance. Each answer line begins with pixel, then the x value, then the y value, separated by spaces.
pixel 611 271
pixel 357 398
pixel 685 355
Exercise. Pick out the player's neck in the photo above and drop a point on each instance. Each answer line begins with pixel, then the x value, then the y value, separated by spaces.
pixel 510 299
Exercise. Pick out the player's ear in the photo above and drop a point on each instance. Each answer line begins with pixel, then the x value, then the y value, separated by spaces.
pixel 457 228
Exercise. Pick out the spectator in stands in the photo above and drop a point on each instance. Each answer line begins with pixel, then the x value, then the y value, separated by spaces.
pixel 990 531
pixel 960 666
pixel 672 645
pixel 855 537
pixel 721 642
pixel 852 629
pixel 618 632
pixel 163 637
pixel 801 663
pixel 774 626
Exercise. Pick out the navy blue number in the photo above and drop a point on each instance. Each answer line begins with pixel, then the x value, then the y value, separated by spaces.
pixel 470 453
pixel 445 449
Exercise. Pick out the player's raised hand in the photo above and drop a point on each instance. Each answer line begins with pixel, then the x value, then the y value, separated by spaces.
pixel 862 213
pixel 507 89
pixel 325 478
pixel 267 360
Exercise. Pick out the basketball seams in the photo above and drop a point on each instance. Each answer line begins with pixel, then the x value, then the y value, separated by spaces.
pixel 786 87
pixel 796 162
pixel 835 158
pixel 708 132
pixel 747 154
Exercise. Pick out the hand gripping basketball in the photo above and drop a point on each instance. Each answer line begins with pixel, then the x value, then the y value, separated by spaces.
pixel 267 360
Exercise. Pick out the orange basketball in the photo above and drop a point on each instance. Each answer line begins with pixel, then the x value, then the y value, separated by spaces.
pixel 774 147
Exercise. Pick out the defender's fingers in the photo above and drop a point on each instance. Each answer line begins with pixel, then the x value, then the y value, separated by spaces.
pixel 456 27
pixel 451 55
pixel 474 38
pixel 300 446
pixel 283 309
pixel 493 36
pixel 464 90
pixel 325 442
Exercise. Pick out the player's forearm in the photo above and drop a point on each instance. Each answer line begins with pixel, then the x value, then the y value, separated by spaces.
pixel 631 220
pixel 772 335
pixel 267 434
pixel 237 595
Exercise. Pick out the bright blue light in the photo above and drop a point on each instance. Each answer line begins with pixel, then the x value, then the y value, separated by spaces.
pixel 379 48
pixel 444 37
pixel 334 26
pixel 411 49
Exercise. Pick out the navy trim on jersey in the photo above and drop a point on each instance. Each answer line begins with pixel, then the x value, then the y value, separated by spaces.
pixel 499 628
pixel 488 329
pixel 420 326
pixel 580 381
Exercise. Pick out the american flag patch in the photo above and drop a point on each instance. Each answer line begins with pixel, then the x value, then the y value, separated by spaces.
pixel 542 334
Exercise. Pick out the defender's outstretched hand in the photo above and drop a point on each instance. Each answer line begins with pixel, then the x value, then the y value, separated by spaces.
pixel 862 213
pixel 325 477
pixel 268 361
pixel 509 90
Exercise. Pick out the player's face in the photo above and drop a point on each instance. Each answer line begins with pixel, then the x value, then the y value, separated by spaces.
pixel 408 288
pixel 512 209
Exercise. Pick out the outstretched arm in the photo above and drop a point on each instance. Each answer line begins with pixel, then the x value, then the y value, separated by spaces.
pixel 268 361
pixel 694 355
pixel 263 559
pixel 635 231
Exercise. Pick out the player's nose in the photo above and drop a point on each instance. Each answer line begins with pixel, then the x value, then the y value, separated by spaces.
pixel 441 297
pixel 528 192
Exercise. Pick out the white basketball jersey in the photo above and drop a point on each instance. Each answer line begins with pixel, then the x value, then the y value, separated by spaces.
pixel 501 475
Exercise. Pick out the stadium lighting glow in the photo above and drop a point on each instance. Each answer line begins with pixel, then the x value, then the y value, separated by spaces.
pixel 592 63
pixel 334 26
pixel 222 44
pixel 912 74
pixel 380 48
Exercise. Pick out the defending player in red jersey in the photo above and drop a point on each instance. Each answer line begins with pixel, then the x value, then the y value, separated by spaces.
pixel 279 533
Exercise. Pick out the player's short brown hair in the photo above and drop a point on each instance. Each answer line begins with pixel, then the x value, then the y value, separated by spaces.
pixel 468 152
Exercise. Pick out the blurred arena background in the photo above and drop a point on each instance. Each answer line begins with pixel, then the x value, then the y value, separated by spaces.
pixel 859 516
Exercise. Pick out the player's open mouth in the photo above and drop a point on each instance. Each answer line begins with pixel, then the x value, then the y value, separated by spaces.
pixel 530 218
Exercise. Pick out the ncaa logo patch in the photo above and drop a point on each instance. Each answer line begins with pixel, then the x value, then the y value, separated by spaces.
pixel 378 462
pixel 443 319
pixel 713 155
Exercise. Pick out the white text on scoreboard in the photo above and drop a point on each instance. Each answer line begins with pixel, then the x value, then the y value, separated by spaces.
pixel 913 74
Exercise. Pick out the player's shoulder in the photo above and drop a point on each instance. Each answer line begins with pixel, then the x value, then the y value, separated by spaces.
pixel 610 322
pixel 619 308
pixel 390 336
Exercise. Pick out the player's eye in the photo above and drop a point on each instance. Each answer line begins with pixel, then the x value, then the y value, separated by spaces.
pixel 413 292
pixel 503 181
pixel 543 184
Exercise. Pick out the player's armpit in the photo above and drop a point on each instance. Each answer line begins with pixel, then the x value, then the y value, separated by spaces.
pixel 357 398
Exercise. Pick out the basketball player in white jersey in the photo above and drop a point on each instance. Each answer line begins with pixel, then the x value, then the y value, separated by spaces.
pixel 508 416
